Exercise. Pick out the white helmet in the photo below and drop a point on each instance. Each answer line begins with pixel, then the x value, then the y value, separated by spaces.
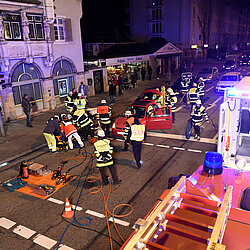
pixel 201 79
pixel 69 116
pixel 70 93
pixel 170 91
pixel 128 112
pixel 198 102
pixel 103 101
pixel 100 133
pixel 79 94
pixel 56 117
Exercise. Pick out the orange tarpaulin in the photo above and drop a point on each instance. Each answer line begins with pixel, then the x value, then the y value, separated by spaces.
pixel 36 181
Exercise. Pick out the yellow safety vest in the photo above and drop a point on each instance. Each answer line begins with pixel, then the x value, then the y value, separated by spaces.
pixel 137 132
pixel 103 152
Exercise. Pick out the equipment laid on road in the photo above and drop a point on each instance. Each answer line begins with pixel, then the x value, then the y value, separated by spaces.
pixel 24 171
pixel 69 213
pixel 42 189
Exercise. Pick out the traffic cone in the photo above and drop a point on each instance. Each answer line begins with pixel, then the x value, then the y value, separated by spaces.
pixel 68 211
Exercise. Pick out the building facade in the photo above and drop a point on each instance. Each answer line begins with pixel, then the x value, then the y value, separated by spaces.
pixel 192 25
pixel 39 58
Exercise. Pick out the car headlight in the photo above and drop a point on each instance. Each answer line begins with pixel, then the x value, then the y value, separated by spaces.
pixel 113 126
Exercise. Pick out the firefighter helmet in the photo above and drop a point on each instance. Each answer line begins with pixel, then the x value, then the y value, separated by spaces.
pixel 198 102
pixel 128 113
pixel 100 133
pixel 103 101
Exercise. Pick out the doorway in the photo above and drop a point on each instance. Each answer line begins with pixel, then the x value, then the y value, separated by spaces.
pixel 98 81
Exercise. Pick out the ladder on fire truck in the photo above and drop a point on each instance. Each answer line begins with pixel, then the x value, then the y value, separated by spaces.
pixel 183 221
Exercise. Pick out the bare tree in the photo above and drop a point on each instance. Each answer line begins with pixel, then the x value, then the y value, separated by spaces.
pixel 204 21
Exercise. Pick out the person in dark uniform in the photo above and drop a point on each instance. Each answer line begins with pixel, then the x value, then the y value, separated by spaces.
pixel 137 135
pixel 104 116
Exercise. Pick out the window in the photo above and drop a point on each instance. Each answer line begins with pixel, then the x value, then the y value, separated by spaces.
pixel 157 28
pixel 63 79
pixel 12 27
pixel 36 31
pixel 156 14
pixel 25 80
pixel 156 2
pixel 59 29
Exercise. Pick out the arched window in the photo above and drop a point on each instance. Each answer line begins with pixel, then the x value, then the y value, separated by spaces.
pixel 25 79
pixel 63 78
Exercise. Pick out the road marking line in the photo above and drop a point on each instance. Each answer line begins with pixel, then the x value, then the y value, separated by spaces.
pixel 121 222
pixel 147 143
pixel 119 140
pixel 64 247
pixel 55 201
pixel 180 137
pixel 95 213
pixel 77 208
pixel 207 90
pixel 178 109
pixel 24 231
pixel 6 223
pixel 179 148
pixel 44 241
pixel 194 150
pixel 162 146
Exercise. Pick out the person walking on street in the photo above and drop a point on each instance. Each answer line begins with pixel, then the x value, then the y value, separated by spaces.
pixel 83 89
pixel 184 89
pixel 197 113
pixel 112 91
pixel 70 131
pixel 120 82
pixel 133 79
pixel 129 121
pixel 103 152
pixel 143 74
pixel 104 116
pixel 193 95
pixel 51 130
pixel 26 105
pixel 150 70
pixel 137 135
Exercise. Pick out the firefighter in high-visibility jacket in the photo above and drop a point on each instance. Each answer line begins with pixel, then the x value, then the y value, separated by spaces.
pixel 137 134
pixel 197 113
pixel 103 152
pixel 193 95
pixel 130 120
pixel 104 116
pixel 171 101
pixel 70 131
pixel 184 89
pixel 84 125
pixel 69 102
pixel 201 89
pixel 80 104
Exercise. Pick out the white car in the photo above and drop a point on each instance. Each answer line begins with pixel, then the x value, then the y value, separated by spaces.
pixel 228 80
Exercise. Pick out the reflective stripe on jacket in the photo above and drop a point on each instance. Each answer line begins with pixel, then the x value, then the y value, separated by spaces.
pixel 104 114
pixel 80 103
pixel 198 113
pixel 137 132
pixel 128 124
pixel 103 151
pixel 68 128
pixel 193 95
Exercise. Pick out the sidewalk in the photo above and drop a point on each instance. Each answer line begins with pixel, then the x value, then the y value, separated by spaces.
pixel 20 139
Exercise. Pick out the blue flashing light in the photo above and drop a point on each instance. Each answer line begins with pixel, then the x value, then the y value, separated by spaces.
pixel 213 163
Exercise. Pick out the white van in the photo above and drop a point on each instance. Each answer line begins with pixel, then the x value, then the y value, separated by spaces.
pixel 228 80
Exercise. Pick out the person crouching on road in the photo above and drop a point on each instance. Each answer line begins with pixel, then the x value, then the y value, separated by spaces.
pixel 104 116
pixel 137 135
pixel 70 131
pixel 51 130
pixel 129 121
pixel 104 151
pixel 197 113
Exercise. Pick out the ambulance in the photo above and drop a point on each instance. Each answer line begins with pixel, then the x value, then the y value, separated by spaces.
pixel 234 126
